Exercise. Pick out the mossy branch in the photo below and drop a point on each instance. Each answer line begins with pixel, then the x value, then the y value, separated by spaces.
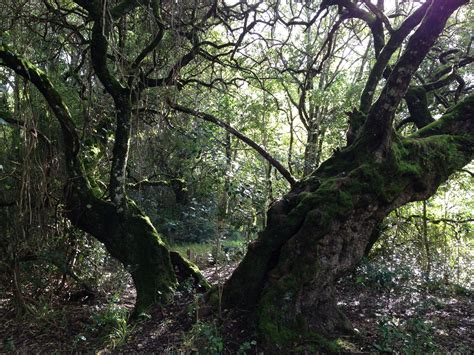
pixel 210 118
pixel 457 121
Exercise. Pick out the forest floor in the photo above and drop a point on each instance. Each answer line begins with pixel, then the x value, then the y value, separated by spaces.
pixel 386 318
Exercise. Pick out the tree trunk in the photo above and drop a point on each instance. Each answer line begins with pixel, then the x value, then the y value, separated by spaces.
pixel 125 231
pixel 129 237
pixel 311 152
pixel 321 229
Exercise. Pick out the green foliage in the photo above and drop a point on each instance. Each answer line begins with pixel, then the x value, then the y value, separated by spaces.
pixel 192 224
pixel 246 347
pixel 203 253
pixel 413 336
pixel 204 338
pixel 111 323
pixel 383 276
pixel 440 253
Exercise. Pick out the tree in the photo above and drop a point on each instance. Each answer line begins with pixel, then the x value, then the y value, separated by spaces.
pixel 115 220
pixel 322 228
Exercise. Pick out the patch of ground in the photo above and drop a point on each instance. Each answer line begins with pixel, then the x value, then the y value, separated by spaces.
pixel 390 319
pixel 408 319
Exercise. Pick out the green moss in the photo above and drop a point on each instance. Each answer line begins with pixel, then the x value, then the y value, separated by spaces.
pixel 443 151
pixel 141 248
pixel 282 332
pixel 408 162
pixel 401 158
pixel 462 111
pixel 186 270
pixel 417 161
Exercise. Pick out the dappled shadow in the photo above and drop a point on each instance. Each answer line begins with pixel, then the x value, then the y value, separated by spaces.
pixel 402 318
pixel 407 318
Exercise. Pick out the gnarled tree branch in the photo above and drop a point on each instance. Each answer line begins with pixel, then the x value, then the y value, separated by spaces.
pixel 395 41
pixel 379 119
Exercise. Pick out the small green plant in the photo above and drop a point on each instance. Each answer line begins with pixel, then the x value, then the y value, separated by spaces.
pixel 420 337
pixel 246 346
pixel 389 335
pixel 120 333
pixel 112 325
pixel 204 338
pixel 412 337
pixel 9 345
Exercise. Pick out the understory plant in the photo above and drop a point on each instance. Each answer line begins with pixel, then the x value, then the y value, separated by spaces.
pixel 413 336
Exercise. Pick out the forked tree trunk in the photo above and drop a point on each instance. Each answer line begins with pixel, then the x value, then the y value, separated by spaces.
pixel 321 229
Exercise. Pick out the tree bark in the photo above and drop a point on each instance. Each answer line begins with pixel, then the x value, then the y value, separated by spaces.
pixel 311 152
pixel 321 229
pixel 125 231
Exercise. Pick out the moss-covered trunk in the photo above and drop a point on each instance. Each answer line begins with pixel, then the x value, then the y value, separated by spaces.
pixel 322 228
pixel 119 224
pixel 130 237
